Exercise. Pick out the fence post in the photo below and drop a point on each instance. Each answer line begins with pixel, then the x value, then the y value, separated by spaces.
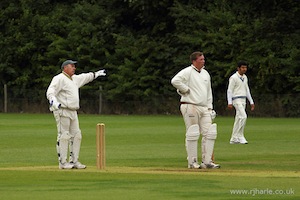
pixel 5 98
pixel 100 99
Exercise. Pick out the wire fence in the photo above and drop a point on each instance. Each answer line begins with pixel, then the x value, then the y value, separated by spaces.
pixel 91 102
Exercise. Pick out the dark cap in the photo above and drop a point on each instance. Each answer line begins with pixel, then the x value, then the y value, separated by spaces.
pixel 68 62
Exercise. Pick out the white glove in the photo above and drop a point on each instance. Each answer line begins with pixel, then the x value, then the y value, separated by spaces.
pixel 100 73
pixel 213 114
pixel 54 105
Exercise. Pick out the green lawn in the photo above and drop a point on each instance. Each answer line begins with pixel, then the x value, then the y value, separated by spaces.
pixel 146 159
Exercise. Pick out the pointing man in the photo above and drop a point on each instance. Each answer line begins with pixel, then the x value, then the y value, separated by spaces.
pixel 63 96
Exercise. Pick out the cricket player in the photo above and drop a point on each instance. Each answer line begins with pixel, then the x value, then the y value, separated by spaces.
pixel 237 93
pixel 193 84
pixel 63 96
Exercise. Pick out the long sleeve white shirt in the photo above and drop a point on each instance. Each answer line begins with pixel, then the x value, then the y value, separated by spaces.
pixel 238 88
pixel 66 88
pixel 198 83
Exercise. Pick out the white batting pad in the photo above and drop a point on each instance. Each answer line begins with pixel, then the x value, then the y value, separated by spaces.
pixel 208 143
pixel 192 136
pixel 62 147
pixel 74 151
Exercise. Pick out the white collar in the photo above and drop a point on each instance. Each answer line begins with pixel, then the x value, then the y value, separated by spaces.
pixel 197 68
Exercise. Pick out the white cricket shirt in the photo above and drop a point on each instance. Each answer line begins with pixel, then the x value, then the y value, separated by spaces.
pixel 66 88
pixel 197 82
pixel 238 89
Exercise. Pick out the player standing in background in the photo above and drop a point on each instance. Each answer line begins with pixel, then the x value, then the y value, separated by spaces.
pixel 193 84
pixel 63 96
pixel 237 93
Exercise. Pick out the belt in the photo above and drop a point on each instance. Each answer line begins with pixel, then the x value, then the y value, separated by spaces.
pixel 239 97
pixel 182 102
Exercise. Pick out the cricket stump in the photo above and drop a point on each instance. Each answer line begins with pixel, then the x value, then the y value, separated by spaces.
pixel 100 144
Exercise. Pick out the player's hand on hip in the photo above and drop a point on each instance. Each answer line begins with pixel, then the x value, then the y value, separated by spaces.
pixel 183 93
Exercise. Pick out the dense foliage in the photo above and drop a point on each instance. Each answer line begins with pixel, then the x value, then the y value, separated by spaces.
pixel 142 44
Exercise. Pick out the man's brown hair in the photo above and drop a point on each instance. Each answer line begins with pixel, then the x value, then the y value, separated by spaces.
pixel 195 55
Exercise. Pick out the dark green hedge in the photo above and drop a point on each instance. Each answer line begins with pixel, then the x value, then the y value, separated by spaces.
pixel 142 44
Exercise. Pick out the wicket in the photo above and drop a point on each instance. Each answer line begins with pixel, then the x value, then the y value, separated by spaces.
pixel 100 143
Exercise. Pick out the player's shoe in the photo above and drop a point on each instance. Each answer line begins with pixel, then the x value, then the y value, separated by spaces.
pixel 243 141
pixel 66 166
pixel 202 166
pixel 234 141
pixel 194 165
pixel 78 165
pixel 212 165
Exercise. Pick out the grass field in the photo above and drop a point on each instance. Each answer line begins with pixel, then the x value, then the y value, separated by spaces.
pixel 146 159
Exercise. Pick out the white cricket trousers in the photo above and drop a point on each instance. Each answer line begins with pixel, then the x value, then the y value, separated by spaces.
pixel 68 133
pixel 193 114
pixel 240 121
